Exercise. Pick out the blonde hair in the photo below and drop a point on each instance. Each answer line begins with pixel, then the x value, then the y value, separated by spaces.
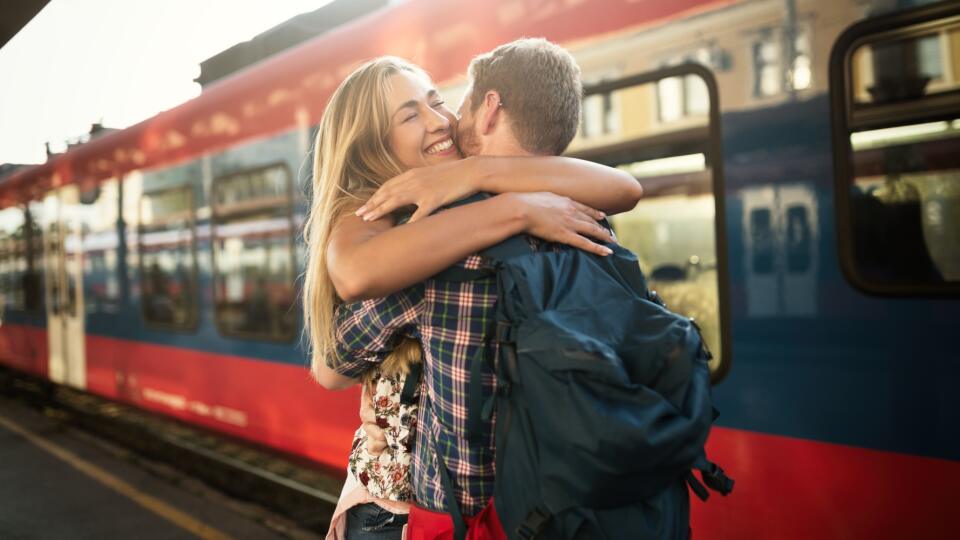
pixel 540 88
pixel 351 159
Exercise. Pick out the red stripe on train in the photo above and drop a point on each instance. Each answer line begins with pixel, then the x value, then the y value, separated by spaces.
pixel 271 403
pixel 787 488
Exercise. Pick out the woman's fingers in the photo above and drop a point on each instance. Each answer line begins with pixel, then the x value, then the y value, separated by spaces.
pixel 382 204
pixel 591 228
pixel 581 242
pixel 593 213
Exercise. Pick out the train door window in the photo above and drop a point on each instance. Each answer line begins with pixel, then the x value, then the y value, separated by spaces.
pixel 101 272
pixel 896 113
pixel 799 239
pixel 673 230
pixel 253 254
pixel 168 275
pixel 762 240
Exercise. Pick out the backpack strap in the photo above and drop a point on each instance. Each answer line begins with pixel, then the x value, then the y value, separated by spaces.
pixel 408 394
pixel 712 475
pixel 450 501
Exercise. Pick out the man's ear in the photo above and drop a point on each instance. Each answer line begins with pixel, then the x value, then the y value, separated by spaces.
pixel 489 112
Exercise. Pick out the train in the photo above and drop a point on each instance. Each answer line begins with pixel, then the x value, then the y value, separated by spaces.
pixel 801 166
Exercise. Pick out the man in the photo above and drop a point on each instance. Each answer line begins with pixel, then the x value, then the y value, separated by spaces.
pixel 523 99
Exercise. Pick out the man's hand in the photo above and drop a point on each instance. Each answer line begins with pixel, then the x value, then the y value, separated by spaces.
pixel 376 438
pixel 428 188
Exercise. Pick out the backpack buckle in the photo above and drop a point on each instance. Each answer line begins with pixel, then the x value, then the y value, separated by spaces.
pixel 534 524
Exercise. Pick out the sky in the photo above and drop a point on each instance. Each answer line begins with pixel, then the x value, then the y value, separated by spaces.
pixel 115 61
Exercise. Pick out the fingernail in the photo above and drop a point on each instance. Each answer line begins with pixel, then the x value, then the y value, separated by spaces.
pixel 608 251
pixel 602 215
pixel 360 210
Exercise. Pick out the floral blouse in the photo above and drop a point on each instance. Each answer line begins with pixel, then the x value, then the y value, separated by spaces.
pixel 387 476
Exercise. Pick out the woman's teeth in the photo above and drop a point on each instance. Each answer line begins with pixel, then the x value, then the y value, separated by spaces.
pixel 440 146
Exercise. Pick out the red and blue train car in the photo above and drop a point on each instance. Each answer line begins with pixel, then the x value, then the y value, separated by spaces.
pixel 801 160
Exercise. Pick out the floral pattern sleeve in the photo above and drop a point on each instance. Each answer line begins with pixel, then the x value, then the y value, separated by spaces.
pixel 387 476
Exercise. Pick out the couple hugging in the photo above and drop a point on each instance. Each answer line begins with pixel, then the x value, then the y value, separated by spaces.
pixel 388 142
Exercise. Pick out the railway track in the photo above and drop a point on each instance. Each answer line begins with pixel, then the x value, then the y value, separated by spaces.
pixel 300 492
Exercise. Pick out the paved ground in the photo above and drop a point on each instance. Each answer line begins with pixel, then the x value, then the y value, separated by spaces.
pixel 58 482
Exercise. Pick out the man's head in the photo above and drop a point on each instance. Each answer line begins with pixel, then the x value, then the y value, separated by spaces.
pixel 524 95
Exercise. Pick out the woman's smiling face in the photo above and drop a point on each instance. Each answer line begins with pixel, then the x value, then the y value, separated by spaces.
pixel 421 125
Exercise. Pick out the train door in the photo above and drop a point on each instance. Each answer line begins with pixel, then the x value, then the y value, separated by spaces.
pixel 64 288
pixel 780 232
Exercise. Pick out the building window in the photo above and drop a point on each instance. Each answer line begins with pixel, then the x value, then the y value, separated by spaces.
pixel 599 114
pixel 168 274
pixel 253 254
pixel 766 68
pixel 682 97
pixel 771 77
pixel 802 75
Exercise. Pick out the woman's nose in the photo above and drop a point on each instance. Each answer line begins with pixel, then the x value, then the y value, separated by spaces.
pixel 436 121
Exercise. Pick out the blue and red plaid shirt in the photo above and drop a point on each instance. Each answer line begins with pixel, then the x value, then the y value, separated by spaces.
pixel 451 320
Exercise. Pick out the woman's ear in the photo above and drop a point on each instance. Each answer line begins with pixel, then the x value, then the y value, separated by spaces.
pixel 489 113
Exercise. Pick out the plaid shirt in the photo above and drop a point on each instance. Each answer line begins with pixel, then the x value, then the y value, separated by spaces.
pixel 451 320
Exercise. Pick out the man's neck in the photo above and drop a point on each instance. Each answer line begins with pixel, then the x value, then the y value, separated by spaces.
pixel 503 146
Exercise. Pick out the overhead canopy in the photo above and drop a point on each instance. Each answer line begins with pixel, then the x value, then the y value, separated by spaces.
pixel 15 14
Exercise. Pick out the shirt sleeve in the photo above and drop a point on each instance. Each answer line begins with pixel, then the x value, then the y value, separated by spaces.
pixel 368 331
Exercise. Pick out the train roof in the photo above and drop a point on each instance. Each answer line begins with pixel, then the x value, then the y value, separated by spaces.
pixel 292 88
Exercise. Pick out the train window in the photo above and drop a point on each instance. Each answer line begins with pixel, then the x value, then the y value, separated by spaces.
pixel 253 254
pixel 168 274
pixel 897 151
pixel 21 249
pixel 673 229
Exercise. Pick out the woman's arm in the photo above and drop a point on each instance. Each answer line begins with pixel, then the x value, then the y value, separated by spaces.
pixel 370 259
pixel 330 379
pixel 429 188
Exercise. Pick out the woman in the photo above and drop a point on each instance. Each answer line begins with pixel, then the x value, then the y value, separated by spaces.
pixel 386 121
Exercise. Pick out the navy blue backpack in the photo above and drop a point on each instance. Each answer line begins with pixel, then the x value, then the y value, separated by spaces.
pixel 603 399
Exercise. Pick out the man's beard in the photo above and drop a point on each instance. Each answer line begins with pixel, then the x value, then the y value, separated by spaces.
pixel 467 139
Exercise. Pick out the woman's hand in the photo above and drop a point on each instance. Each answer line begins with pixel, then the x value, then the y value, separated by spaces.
pixel 376 438
pixel 558 219
pixel 428 188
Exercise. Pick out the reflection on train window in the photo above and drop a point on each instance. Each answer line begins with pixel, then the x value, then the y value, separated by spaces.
pixel 905 203
pixel 907 68
pixel 253 254
pixel 904 167
pixel 672 229
pixel 21 249
pixel 168 276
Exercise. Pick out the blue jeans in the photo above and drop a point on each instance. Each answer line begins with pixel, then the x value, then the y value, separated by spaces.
pixel 370 522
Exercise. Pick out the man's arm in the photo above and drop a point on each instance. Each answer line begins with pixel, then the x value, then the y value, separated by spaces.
pixel 366 333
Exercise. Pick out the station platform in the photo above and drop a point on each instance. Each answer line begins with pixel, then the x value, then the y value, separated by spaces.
pixel 60 482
